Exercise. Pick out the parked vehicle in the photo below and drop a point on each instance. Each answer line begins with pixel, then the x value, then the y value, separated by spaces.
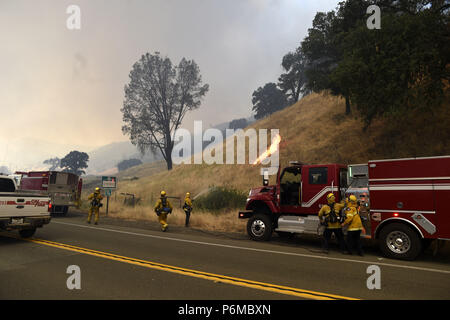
pixel 21 210
pixel 407 207
pixel 63 188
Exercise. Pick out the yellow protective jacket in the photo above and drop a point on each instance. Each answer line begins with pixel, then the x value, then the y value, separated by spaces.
pixel 160 206
pixel 187 204
pixel 325 213
pixel 353 219
pixel 96 196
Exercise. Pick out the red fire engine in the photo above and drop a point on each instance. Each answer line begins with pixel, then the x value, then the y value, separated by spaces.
pixel 63 188
pixel 408 202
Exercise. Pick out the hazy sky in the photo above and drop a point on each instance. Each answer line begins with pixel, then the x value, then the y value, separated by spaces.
pixel 62 89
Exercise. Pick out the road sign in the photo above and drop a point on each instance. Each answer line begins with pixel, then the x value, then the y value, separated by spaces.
pixel 108 192
pixel 109 182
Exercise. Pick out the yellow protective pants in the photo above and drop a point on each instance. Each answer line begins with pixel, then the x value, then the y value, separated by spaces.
pixel 162 218
pixel 96 212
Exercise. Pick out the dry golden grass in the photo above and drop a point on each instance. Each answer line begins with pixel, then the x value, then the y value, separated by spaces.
pixel 224 222
pixel 314 130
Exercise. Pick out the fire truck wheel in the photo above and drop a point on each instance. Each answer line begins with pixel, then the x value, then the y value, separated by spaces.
pixel 259 227
pixel 65 210
pixel 399 241
pixel 27 233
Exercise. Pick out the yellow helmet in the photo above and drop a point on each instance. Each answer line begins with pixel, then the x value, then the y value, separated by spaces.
pixel 163 193
pixel 330 198
pixel 188 194
pixel 352 199
pixel 97 190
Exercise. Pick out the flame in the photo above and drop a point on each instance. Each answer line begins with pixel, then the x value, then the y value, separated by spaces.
pixel 273 148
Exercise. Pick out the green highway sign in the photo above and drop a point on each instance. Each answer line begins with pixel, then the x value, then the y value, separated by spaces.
pixel 109 182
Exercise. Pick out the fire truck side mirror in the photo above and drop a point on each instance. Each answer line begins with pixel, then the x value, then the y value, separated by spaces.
pixel 265 178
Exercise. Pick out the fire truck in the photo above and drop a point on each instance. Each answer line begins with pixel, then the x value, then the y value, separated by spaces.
pixel 404 206
pixel 63 188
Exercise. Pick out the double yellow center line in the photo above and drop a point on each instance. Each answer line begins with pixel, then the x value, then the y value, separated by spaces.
pixel 196 273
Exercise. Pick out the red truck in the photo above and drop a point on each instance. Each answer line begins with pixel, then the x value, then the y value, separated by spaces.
pixel 63 188
pixel 408 202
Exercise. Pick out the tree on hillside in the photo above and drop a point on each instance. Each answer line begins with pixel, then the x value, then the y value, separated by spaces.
pixel 126 164
pixel 293 81
pixel 74 162
pixel 238 124
pixel 323 46
pixel 54 163
pixel 400 67
pixel 157 98
pixel 268 100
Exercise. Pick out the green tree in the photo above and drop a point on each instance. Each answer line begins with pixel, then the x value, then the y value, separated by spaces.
pixel 126 164
pixel 74 162
pixel 401 66
pixel 268 100
pixel 157 98
pixel 323 47
pixel 238 124
pixel 53 162
pixel 293 81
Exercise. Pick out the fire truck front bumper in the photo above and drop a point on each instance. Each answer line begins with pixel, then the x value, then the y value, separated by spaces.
pixel 245 214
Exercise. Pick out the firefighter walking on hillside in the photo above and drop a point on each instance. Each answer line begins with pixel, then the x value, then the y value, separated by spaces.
pixel 162 209
pixel 329 216
pixel 96 203
pixel 353 220
pixel 187 207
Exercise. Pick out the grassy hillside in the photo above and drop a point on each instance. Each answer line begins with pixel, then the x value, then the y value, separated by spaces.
pixel 314 130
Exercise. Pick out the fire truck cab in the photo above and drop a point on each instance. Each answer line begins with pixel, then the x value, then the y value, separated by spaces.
pixel 291 206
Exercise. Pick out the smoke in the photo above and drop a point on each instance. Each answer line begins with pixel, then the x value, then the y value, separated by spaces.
pixel 66 87
pixel 4 170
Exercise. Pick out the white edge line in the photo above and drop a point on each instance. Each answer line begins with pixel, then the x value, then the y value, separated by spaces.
pixel 259 250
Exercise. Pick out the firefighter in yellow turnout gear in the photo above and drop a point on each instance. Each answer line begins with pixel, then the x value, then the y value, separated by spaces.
pixel 162 209
pixel 329 216
pixel 95 199
pixel 187 207
pixel 353 220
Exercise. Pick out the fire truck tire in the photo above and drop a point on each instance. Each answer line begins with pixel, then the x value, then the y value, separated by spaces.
pixel 65 210
pixel 259 227
pixel 400 241
pixel 27 233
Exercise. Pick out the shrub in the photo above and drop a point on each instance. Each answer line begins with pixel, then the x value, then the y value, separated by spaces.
pixel 220 198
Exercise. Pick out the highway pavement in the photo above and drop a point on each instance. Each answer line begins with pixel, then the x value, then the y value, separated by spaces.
pixel 134 260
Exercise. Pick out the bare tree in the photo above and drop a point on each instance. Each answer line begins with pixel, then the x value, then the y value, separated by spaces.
pixel 156 100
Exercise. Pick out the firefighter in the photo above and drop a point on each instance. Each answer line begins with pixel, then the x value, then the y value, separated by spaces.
pixel 355 227
pixel 329 216
pixel 95 199
pixel 187 207
pixel 162 209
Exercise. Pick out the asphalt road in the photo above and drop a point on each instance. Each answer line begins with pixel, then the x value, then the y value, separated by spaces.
pixel 134 260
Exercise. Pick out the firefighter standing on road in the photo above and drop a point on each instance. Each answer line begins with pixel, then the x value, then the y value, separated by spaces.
pixel 329 216
pixel 187 207
pixel 95 199
pixel 162 209
pixel 353 220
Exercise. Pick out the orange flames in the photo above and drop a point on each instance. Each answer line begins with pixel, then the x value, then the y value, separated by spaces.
pixel 273 148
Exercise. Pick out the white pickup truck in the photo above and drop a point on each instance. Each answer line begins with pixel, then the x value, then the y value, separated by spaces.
pixel 20 210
